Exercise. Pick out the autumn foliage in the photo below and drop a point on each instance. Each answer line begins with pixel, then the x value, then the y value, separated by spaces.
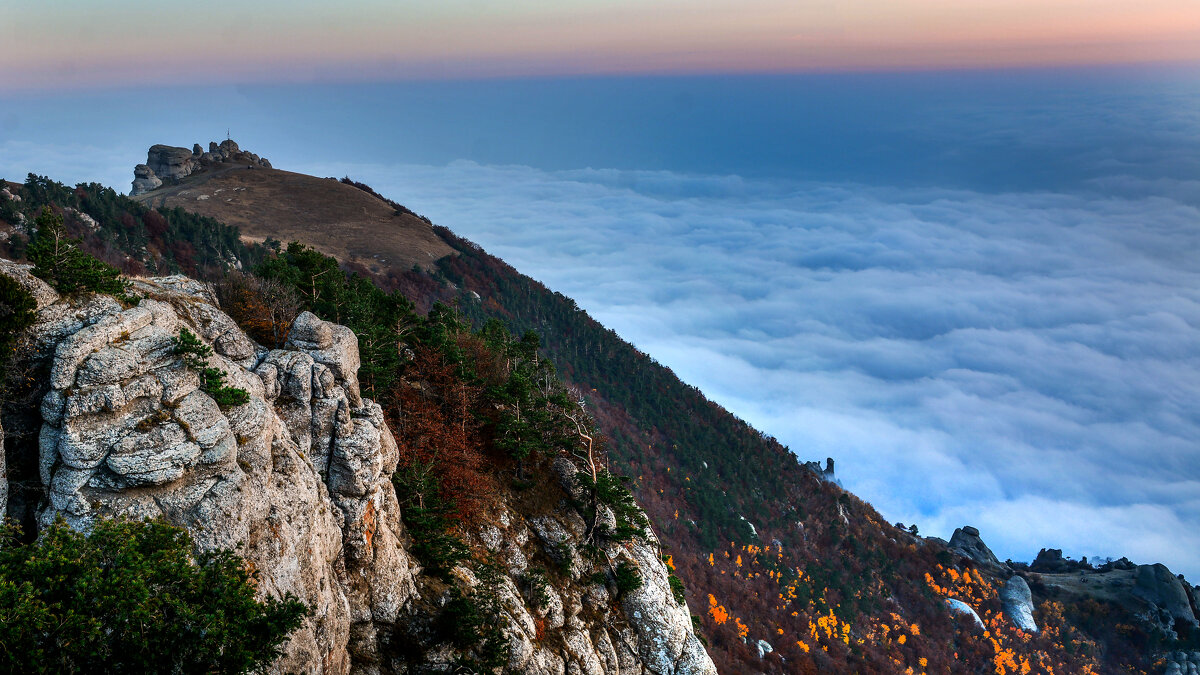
pixel 264 308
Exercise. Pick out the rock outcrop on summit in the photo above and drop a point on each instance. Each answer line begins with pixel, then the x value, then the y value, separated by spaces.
pixel 166 164
pixel 966 542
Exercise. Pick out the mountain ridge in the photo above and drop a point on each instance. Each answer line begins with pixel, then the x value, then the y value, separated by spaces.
pixel 788 531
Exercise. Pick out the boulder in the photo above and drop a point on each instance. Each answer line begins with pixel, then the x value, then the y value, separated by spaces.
pixel 144 180
pixel 1017 602
pixel 959 607
pixel 43 294
pixel 1051 561
pixel 1165 593
pixel 170 163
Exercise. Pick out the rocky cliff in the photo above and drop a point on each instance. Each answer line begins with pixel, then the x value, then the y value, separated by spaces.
pixel 298 481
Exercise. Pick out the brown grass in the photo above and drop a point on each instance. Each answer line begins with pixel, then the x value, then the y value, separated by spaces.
pixel 336 219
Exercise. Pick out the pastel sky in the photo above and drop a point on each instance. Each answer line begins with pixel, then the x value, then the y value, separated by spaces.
pixel 51 44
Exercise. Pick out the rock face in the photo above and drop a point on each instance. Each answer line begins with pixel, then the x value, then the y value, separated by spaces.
pixel 165 163
pixel 827 473
pixel 127 432
pixel 966 541
pixel 171 163
pixel 144 179
pixel 1017 602
pixel 1169 603
pixel 298 482
pixel 1182 663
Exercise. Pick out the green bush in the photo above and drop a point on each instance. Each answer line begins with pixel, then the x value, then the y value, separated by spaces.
pixel 59 261
pixel 17 309
pixel 471 622
pixel 627 577
pixel 212 381
pixel 536 587
pixel 677 588
pixel 427 518
pixel 129 597
pixel 610 490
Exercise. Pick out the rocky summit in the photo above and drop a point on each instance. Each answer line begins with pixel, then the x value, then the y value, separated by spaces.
pixel 166 164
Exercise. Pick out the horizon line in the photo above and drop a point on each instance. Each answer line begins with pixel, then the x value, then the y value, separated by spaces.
pixel 337 76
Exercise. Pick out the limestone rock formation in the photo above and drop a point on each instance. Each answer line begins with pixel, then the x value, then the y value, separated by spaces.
pixel 966 541
pixel 959 607
pixel 41 291
pixel 1017 602
pixel 127 432
pixel 826 473
pixel 144 180
pixel 298 481
pixel 170 163
pixel 1169 603
pixel 166 164
pixel 1182 663
pixel 764 648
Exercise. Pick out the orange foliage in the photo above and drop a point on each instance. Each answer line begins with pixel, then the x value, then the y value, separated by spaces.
pixel 431 415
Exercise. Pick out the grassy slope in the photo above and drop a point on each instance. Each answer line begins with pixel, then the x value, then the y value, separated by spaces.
pixel 340 220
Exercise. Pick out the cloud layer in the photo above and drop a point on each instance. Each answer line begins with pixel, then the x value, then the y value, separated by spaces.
pixel 1020 354
pixel 1028 363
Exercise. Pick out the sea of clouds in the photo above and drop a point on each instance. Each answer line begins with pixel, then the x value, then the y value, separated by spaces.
pixel 1027 363
pixel 1021 353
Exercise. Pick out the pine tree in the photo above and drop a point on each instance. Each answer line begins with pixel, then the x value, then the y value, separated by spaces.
pixel 17 309
pixel 57 259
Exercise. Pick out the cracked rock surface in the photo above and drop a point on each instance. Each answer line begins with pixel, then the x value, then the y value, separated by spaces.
pixel 298 482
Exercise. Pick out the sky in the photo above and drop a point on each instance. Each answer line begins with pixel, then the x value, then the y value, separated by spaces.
pixel 892 240
pixel 80 43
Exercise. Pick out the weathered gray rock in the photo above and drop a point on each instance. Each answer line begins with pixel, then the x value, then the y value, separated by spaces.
pixel 966 541
pixel 959 607
pixel 764 648
pixel 1166 596
pixel 166 164
pixel 663 627
pixel 170 163
pixel 309 332
pixel 127 432
pixel 144 180
pixel 1017 602
pixel 41 291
